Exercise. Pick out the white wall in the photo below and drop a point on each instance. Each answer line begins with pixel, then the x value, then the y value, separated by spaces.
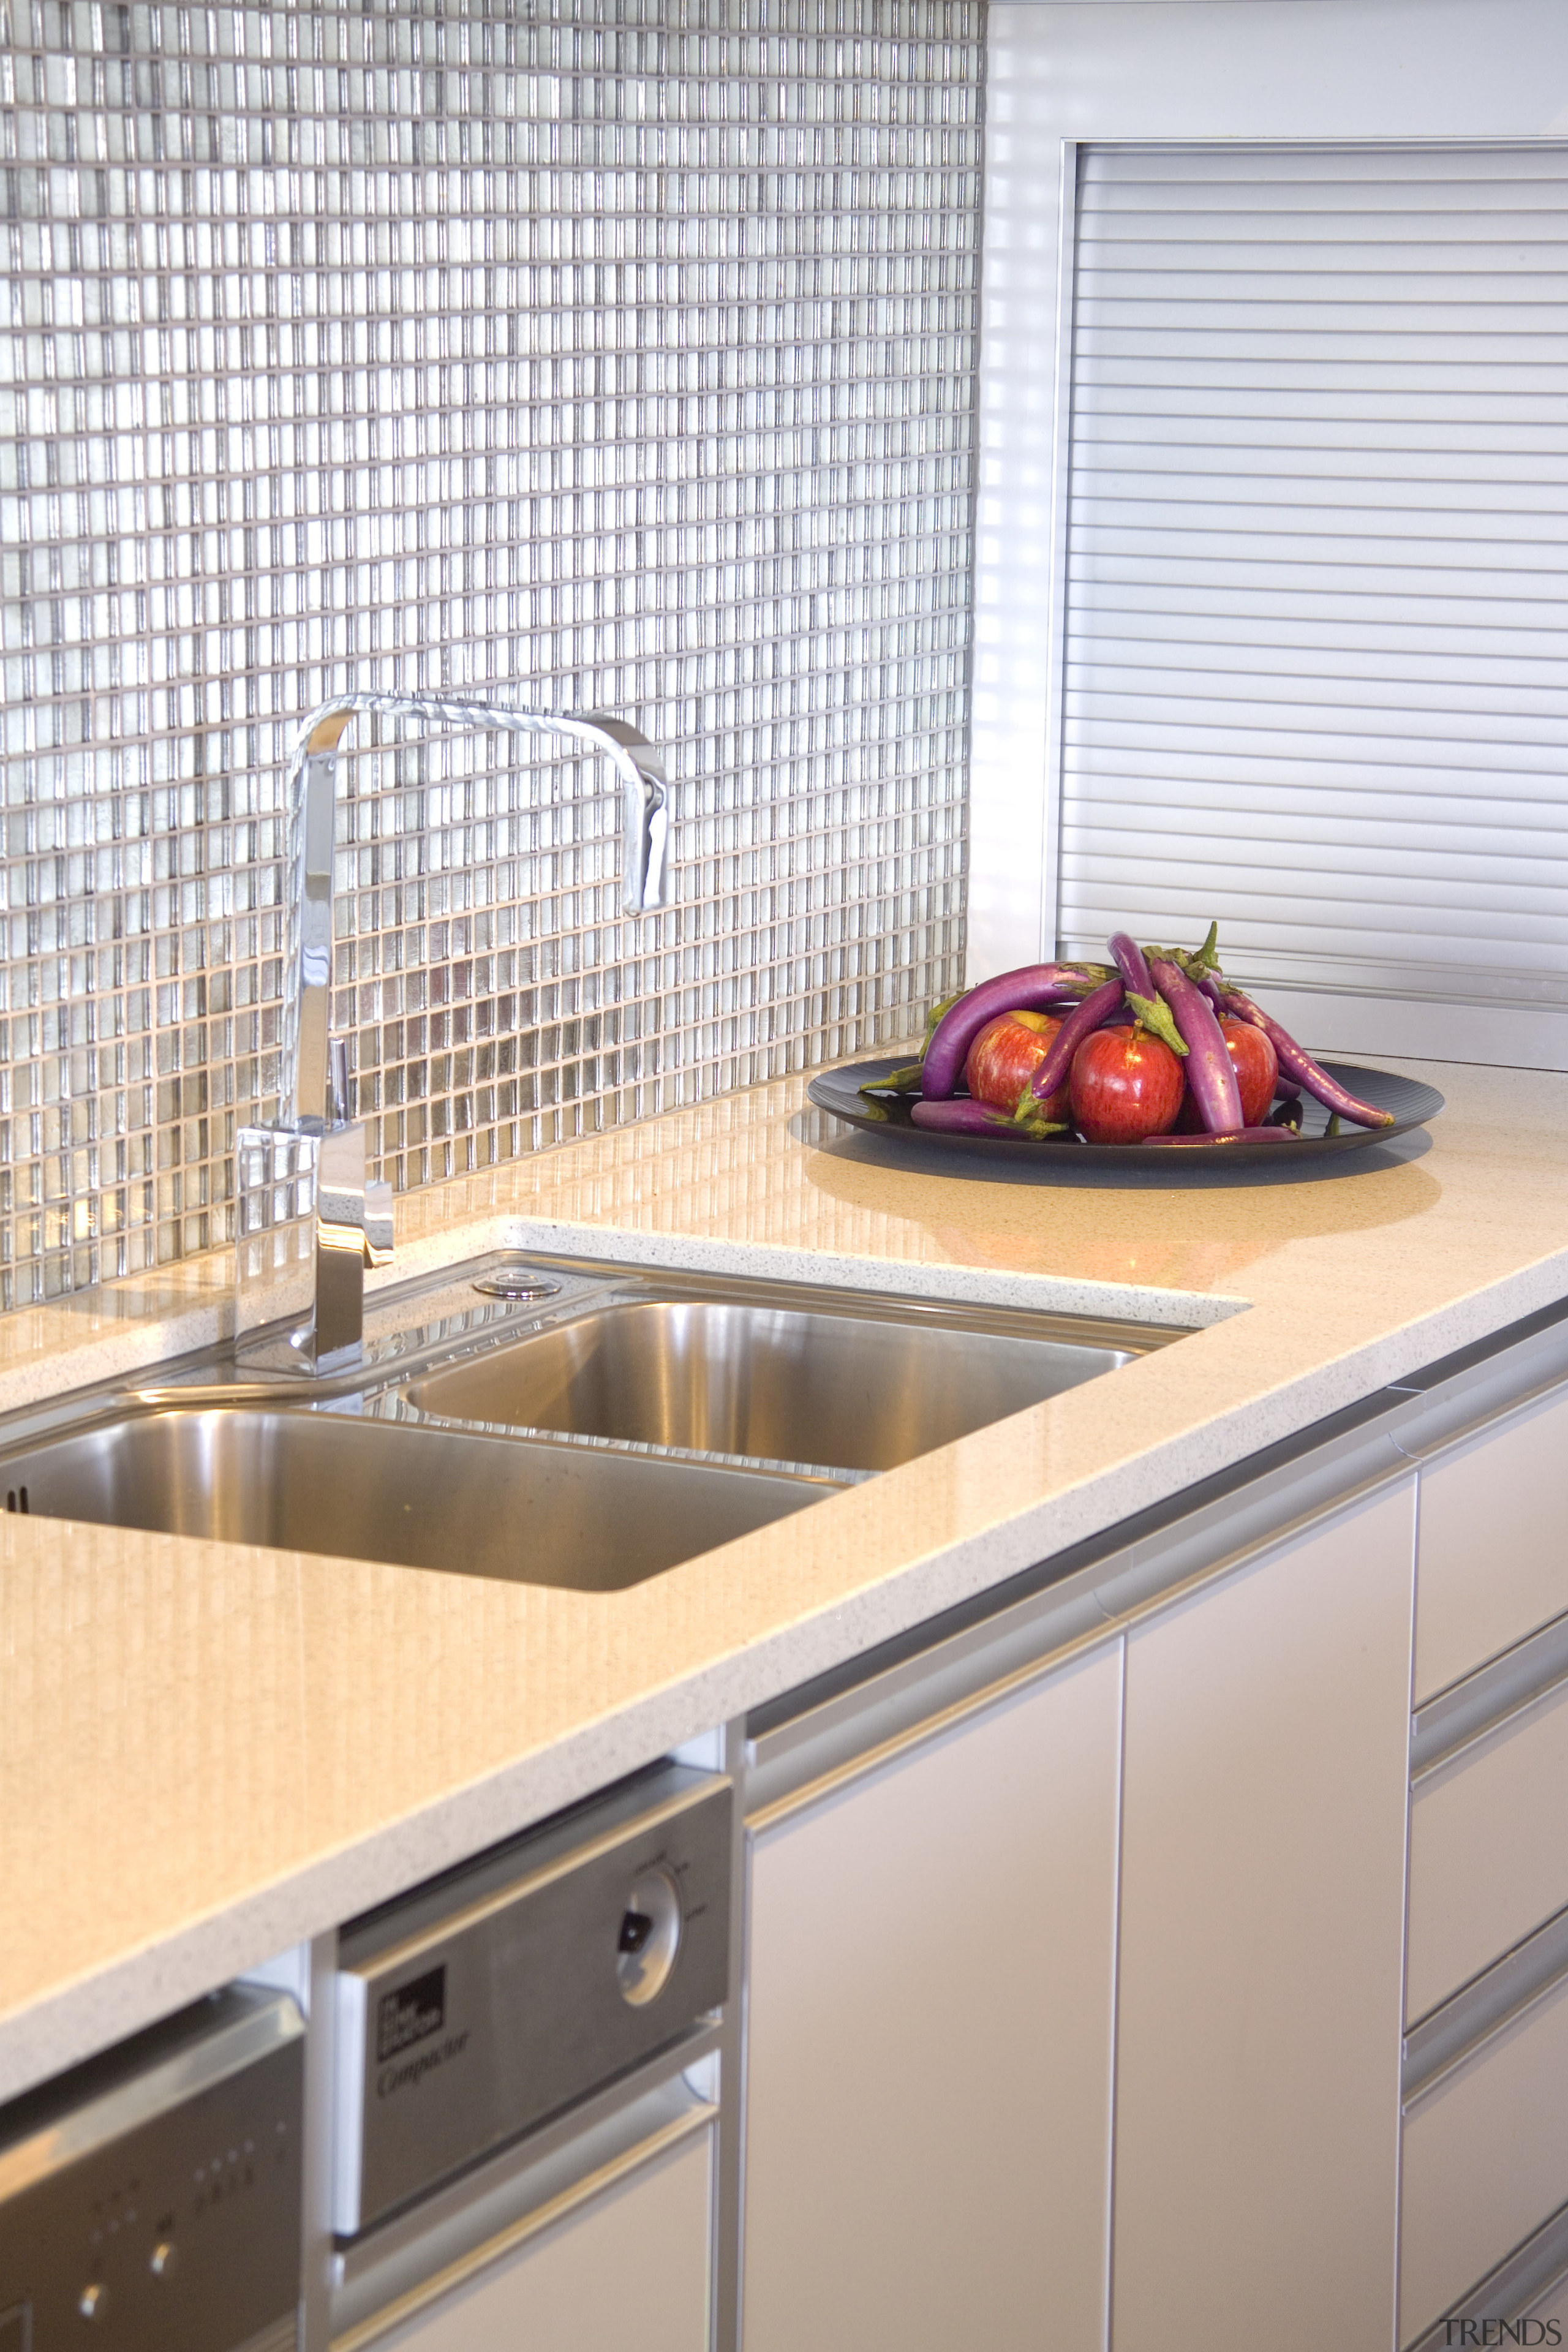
pixel 1143 70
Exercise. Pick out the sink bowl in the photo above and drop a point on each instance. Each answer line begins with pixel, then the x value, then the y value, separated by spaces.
pixel 532 1513
pixel 854 1383
pixel 588 1425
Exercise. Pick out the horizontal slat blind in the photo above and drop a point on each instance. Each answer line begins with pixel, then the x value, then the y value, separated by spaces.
pixel 1316 676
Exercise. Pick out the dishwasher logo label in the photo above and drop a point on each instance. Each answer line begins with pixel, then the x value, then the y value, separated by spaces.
pixel 413 2013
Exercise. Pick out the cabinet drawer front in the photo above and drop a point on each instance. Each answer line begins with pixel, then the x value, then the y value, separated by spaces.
pixel 642 2247
pixel 1492 1561
pixel 1485 2161
pixel 1488 1860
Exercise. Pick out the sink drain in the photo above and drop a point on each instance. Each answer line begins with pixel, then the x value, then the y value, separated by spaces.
pixel 519 1285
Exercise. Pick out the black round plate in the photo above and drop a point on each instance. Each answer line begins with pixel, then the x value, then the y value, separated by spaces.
pixel 888 1118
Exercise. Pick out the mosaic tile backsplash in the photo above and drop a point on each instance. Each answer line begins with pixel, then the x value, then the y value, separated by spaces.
pixel 589 354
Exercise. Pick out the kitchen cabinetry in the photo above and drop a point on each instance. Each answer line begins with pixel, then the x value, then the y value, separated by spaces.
pixel 631 2265
pixel 940 1992
pixel 1076 1953
pixel 1485 2154
pixel 1261 1948
pixel 929 2037
pixel 1494 1563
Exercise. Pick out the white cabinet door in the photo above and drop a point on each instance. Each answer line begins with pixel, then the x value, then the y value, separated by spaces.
pixel 1260 1950
pixel 927 2103
pixel 1486 1858
pixel 631 2267
pixel 1493 1563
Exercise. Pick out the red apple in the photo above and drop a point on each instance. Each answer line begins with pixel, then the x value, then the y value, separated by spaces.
pixel 1125 1084
pixel 1256 1067
pixel 1004 1057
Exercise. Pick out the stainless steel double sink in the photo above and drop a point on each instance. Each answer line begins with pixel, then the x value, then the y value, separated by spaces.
pixel 553 1420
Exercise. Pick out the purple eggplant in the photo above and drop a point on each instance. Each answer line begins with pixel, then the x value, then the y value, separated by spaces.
pixel 1295 1062
pixel 1091 1015
pixel 1232 1135
pixel 1210 1072
pixel 966 1117
pixel 1035 988
pixel 1146 1004
pixel 1131 962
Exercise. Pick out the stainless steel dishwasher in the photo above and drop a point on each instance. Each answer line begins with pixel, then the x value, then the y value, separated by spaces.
pixel 150 2199
pixel 525 2087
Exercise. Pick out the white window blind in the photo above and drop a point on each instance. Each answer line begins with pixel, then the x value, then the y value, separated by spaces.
pixel 1315 670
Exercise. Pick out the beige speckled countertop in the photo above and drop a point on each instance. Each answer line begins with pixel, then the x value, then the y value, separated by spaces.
pixel 209 1752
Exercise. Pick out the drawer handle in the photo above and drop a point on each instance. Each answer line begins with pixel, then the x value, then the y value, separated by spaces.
pixel 1480 2009
pixel 1509 2291
pixel 1507 1686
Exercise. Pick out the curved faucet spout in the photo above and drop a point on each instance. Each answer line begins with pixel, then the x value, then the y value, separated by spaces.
pixel 306 1223
pixel 646 836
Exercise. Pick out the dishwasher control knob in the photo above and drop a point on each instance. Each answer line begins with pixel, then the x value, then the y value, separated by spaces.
pixel 649 1937
pixel 93 2303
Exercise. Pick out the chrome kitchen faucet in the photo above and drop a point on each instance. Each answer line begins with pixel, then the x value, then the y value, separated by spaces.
pixel 307 1223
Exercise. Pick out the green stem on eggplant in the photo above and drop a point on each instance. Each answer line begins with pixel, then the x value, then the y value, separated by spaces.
pixel 904 1081
pixel 1029 1116
pixel 1200 965
pixel 1148 1007
pixel 1154 1015
pixel 1207 956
